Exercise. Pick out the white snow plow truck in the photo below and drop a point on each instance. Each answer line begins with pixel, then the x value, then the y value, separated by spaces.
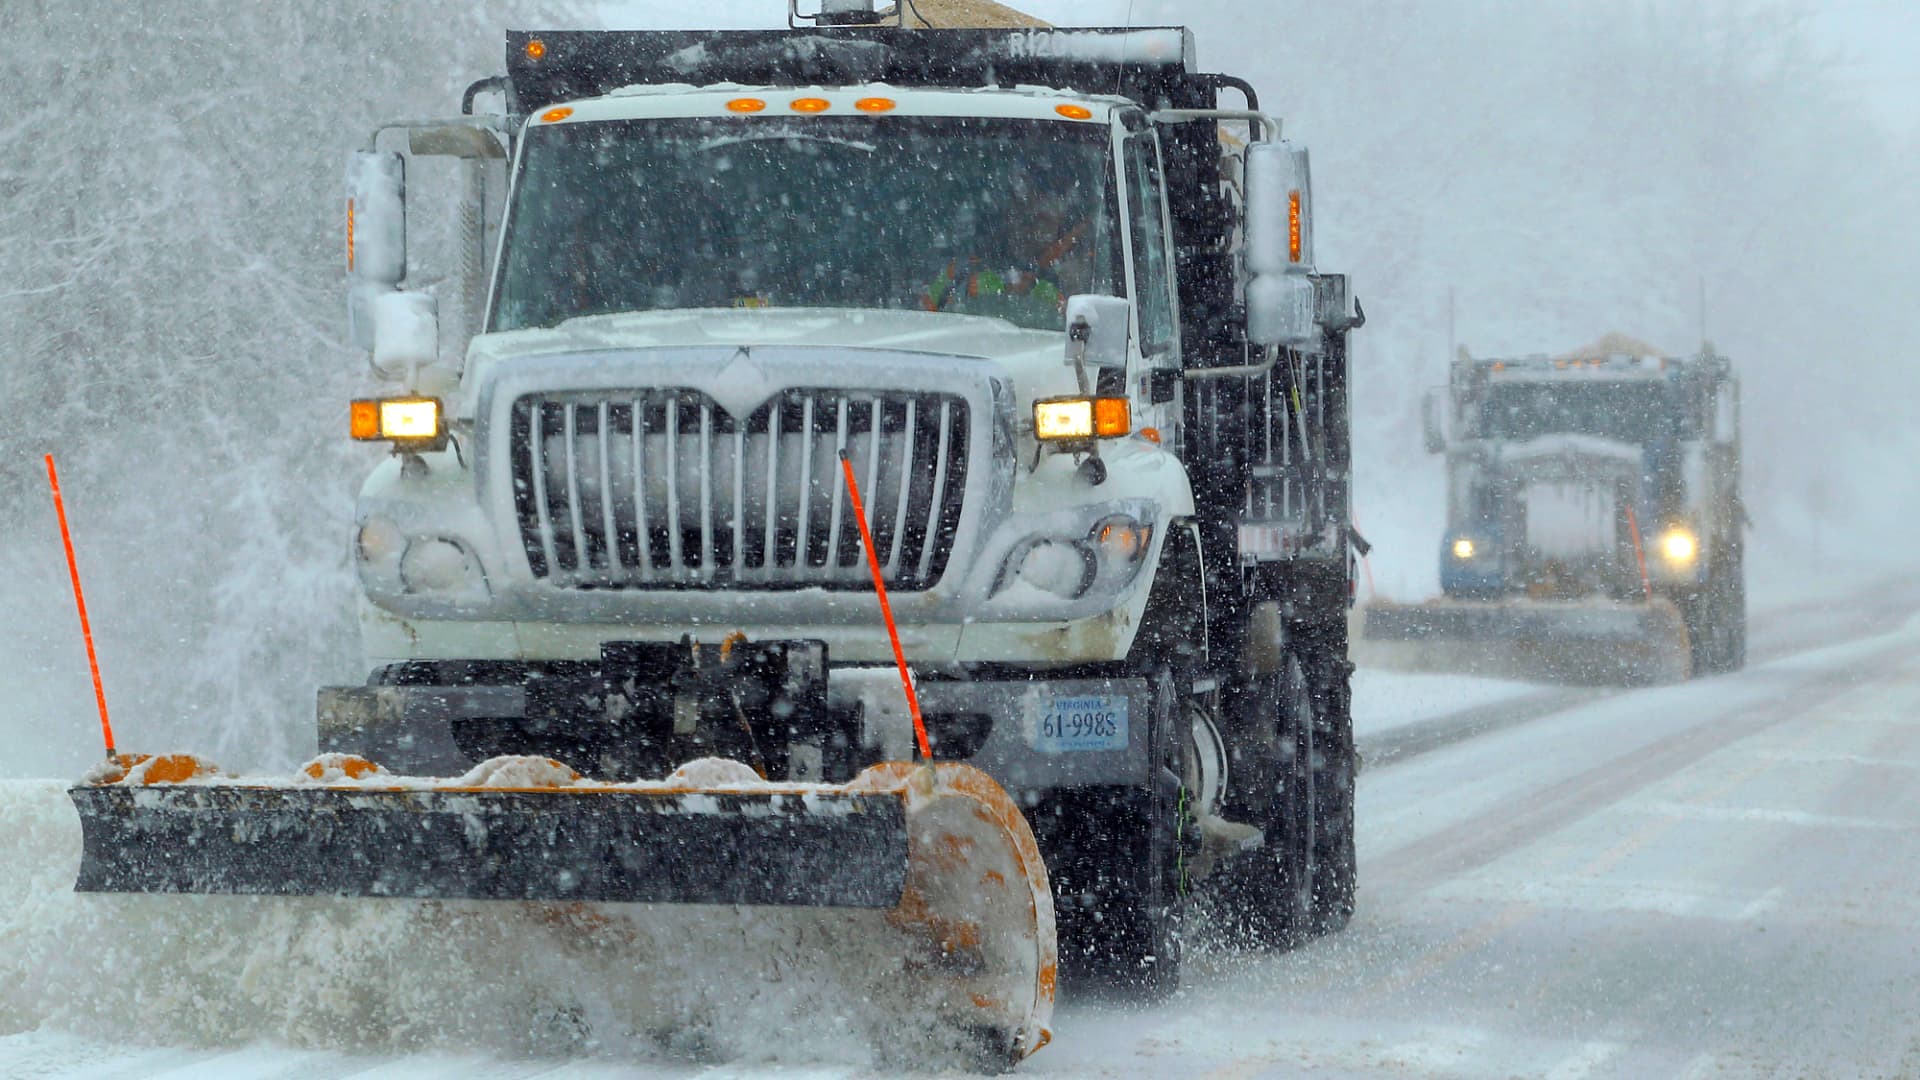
pixel 1594 520
pixel 1022 324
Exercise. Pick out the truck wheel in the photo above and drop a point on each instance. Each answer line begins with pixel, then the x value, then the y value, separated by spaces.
pixel 1117 857
pixel 1264 897
pixel 1335 768
pixel 1716 618
pixel 1733 609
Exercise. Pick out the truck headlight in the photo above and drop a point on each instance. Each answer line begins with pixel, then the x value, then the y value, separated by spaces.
pixel 1062 567
pixel 380 540
pixel 1108 557
pixel 1121 541
pixel 414 423
pixel 436 565
pixel 1679 545
pixel 1079 419
pixel 1463 549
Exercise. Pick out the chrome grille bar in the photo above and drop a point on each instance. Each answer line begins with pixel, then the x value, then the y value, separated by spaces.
pixel 706 491
pixel 674 565
pixel 643 541
pixel 876 428
pixel 573 490
pixel 839 489
pixel 803 546
pixel 938 502
pixel 898 541
pixel 612 526
pixel 537 439
pixel 770 555
pixel 739 559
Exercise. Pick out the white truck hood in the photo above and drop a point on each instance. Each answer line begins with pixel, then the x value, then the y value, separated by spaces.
pixel 1034 358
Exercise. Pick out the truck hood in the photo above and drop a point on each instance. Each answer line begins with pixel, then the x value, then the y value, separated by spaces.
pixel 1034 358
pixel 1568 458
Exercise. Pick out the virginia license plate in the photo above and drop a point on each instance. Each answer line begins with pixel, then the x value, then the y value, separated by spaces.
pixel 1060 725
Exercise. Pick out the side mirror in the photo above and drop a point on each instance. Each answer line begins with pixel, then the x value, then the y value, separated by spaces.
pixel 1097 330
pixel 1279 247
pixel 1280 310
pixel 1430 420
pixel 376 236
pixel 406 335
pixel 1279 209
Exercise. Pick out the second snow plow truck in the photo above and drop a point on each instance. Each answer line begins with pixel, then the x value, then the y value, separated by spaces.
pixel 1594 520
pixel 1032 296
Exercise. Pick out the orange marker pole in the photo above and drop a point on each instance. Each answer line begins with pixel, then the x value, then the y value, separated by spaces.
pixel 80 601
pixel 886 609
pixel 1633 524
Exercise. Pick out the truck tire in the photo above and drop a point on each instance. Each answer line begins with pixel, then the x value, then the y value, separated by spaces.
pixel 1335 765
pixel 1263 899
pixel 1716 616
pixel 1117 858
pixel 1733 607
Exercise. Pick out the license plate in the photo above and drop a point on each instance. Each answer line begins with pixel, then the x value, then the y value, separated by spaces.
pixel 1061 725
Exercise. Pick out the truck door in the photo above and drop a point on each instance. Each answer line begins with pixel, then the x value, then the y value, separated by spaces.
pixel 1158 331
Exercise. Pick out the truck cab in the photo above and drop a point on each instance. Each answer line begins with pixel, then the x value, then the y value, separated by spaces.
pixel 1611 473
pixel 1037 294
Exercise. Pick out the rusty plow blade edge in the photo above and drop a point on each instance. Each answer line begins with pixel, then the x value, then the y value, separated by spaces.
pixel 941 849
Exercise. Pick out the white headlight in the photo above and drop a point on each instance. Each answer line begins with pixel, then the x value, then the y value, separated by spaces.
pixel 1061 568
pixel 435 566
pixel 1679 545
pixel 1463 548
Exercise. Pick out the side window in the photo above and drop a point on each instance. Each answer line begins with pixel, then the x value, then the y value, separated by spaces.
pixel 1153 290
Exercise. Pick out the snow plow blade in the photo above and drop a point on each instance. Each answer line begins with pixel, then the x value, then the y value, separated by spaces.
pixel 939 853
pixel 1577 642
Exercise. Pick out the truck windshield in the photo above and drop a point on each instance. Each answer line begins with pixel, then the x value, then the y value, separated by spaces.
pixel 986 216
pixel 1636 412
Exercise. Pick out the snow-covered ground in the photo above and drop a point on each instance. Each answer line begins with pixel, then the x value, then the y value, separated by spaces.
pixel 1385 701
pixel 1709 879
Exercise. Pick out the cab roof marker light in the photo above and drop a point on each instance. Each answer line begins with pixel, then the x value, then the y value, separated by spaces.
pixel 875 104
pixel 809 105
pixel 746 105
pixel 555 115
pixel 1074 112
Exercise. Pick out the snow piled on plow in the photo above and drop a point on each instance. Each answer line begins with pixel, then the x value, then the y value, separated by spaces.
pixel 401 976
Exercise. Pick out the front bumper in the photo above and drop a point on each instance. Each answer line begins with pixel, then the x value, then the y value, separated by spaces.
pixel 996 725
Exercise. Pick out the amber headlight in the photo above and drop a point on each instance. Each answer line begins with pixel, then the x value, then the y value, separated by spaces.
pixel 1080 418
pixel 409 423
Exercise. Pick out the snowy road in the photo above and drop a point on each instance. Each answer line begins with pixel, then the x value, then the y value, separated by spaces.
pixel 1711 879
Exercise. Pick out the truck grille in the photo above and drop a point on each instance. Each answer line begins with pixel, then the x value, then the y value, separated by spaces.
pixel 662 488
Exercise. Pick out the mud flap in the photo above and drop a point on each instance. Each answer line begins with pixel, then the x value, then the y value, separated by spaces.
pixel 940 851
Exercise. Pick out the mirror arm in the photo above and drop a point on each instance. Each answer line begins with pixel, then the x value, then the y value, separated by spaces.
pixel 492 124
pixel 1256 119
pixel 480 86
pixel 1078 335
pixel 1249 370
